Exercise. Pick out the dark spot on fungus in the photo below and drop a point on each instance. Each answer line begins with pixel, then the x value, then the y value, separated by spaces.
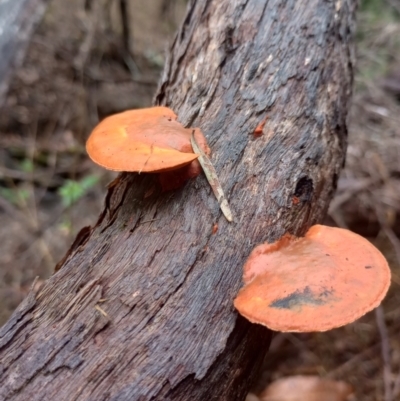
pixel 368 267
pixel 299 298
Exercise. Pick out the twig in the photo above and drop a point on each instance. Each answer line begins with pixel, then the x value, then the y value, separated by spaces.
pixel 393 239
pixel 126 31
pixel 126 39
pixel 380 319
pixel 43 179
pixel 385 348
pixel 212 179
pixel 87 43
pixel 102 311
pixel 348 194
pixel 132 66
pixel 302 346
pixel 148 221
pixel 349 365
pixel 341 370
pixel 387 229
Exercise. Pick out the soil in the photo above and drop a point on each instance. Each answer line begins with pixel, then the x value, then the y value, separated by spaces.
pixel 77 70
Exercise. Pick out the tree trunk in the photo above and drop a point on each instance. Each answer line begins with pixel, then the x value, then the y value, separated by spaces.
pixel 18 18
pixel 141 307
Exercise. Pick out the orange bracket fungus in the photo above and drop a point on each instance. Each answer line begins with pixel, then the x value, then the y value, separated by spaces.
pixel 151 141
pixel 324 280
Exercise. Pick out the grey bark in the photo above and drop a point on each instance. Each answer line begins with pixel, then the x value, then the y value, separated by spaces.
pixel 152 262
pixel 18 19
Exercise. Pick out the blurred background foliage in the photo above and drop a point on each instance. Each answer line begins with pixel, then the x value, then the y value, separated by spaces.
pixel 82 65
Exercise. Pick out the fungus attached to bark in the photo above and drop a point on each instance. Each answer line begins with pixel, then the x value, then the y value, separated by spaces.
pixel 327 279
pixel 153 141
pixel 143 140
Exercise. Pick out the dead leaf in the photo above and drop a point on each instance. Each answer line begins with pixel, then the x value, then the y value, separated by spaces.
pixel 306 388
pixel 252 397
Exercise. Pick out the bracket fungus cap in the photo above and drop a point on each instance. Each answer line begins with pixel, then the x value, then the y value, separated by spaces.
pixel 327 279
pixel 142 140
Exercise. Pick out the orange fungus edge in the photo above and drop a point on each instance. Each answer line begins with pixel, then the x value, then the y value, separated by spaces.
pixel 134 141
pixel 324 280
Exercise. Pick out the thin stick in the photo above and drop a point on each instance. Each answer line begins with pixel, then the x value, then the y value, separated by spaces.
pixel 393 239
pixel 102 311
pixel 385 347
pixel 212 179
pixel 126 31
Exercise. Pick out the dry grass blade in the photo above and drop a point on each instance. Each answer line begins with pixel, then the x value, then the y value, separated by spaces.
pixel 212 179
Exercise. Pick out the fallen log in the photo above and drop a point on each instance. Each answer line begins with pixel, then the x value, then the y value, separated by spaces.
pixel 140 308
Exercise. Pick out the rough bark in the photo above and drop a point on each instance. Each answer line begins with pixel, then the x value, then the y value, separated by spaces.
pixel 152 262
pixel 18 18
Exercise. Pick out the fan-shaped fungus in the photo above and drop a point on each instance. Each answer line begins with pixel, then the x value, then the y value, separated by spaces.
pixel 153 141
pixel 143 140
pixel 324 280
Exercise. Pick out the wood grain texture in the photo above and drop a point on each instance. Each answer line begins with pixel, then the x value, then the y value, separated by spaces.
pixel 152 262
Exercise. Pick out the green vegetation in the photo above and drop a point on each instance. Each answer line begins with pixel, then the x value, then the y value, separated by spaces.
pixel 16 196
pixel 377 40
pixel 71 190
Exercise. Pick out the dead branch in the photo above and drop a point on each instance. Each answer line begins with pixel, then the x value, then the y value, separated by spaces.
pixel 167 329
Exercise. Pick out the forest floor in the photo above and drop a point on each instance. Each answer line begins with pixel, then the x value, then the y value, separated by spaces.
pixel 76 72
